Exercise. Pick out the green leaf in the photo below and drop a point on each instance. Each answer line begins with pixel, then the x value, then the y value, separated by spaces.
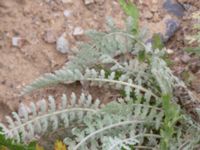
pixel 157 42
pixel 11 145
pixel 141 56
pixel 171 112
pixel 131 10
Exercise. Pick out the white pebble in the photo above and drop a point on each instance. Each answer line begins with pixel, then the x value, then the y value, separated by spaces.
pixel 78 31
pixel 67 13
pixel 67 1
pixel 170 51
pixel 62 44
pixel 87 2
pixel 16 41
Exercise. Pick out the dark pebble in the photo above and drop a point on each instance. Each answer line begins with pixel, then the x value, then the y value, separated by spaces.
pixel 174 8
pixel 171 27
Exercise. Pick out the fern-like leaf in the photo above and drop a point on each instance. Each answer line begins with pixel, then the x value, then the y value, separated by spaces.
pixel 39 122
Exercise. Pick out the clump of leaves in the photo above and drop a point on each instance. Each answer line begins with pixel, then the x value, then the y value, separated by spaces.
pixel 131 10
pixel 172 115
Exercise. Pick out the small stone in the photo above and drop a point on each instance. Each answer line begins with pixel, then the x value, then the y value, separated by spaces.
pixel 62 44
pixel 67 1
pixel 148 15
pixel 170 51
pixel 67 13
pixel 172 26
pixel 87 2
pixel 78 31
pixel 185 58
pixel 49 36
pixel 17 41
pixel 174 8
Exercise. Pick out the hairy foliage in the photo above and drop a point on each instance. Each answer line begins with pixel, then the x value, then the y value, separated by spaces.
pixel 145 115
pixel 27 126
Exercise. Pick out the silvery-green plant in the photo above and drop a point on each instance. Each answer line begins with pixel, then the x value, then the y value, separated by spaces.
pixel 141 117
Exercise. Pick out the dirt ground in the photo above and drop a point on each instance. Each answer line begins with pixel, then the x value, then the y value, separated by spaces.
pixel 39 23
pixel 31 20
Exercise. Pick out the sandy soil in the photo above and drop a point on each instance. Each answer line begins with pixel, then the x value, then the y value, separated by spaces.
pixel 31 20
